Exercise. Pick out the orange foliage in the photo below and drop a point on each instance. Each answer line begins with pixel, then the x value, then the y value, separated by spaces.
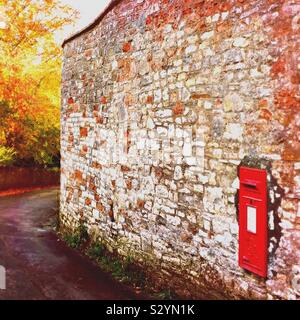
pixel 30 68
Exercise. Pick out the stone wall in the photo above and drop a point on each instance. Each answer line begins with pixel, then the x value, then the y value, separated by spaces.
pixel 162 101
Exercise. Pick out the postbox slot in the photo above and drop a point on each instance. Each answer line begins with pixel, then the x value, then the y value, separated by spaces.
pixel 250 186
pixel 250 183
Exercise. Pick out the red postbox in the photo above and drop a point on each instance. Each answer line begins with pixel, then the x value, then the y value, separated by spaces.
pixel 253 221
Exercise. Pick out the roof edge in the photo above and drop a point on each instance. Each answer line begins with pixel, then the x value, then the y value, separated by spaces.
pixel 89 27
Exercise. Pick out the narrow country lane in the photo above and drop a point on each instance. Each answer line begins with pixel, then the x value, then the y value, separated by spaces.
pixel 38 265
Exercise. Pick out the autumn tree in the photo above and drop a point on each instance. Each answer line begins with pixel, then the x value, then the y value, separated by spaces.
pixel 30 75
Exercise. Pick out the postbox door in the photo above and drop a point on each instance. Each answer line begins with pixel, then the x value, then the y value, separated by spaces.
pixel 253 221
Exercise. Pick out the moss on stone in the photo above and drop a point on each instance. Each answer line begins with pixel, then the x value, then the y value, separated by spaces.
pixel 255 162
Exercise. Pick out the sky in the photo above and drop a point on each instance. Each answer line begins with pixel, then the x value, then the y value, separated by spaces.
pixel 88 9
